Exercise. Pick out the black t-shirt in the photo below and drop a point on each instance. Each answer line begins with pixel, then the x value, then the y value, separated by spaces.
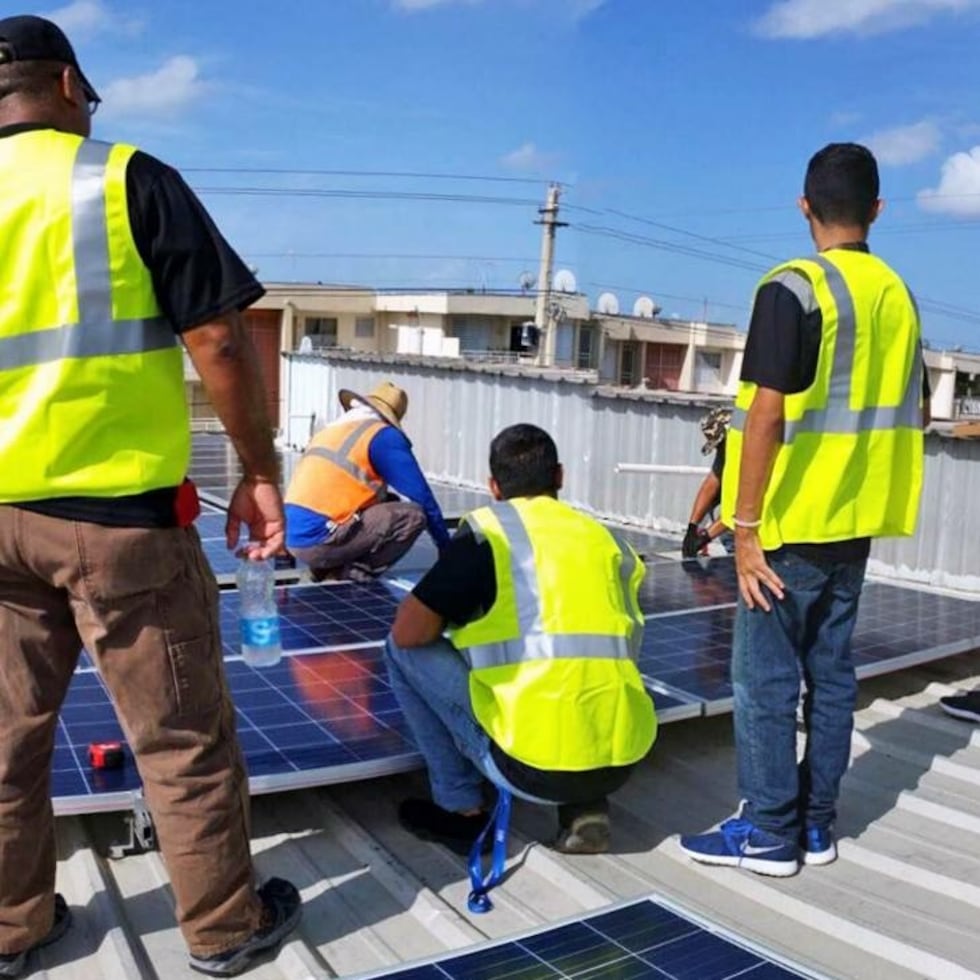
pixel 461 587
pixel 781 353
pixel 197 277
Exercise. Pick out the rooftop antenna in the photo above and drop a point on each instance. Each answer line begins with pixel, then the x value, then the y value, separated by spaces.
pixel 565 282
pixel 608 304
pixel 527 281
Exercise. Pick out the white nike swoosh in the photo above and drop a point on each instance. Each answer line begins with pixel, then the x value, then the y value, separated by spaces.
pixel 750 851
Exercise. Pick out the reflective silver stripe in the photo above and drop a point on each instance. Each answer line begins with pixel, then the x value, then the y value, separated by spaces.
pixel 837 417
pixel 800 286
pixel 96 333
pixel 626 569
pixel 351 469
pixel 544 646
pixel 351 441
pixel 533 643
pixel 524 575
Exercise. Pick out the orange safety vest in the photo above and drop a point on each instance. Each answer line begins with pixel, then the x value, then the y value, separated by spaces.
pixel 335 477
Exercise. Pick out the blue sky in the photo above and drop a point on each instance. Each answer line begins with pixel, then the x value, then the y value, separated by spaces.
pixel 680 132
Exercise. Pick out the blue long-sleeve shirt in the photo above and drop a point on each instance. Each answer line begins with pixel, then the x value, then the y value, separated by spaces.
pixel 391 456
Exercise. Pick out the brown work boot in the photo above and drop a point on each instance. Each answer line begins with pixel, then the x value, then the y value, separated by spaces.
pixel 587 833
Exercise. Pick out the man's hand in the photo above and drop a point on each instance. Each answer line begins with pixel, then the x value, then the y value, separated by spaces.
pixel 258 504
pixel 754 573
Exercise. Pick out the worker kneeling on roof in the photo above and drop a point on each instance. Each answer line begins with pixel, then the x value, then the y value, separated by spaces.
pixel 340 517
pixel 536 689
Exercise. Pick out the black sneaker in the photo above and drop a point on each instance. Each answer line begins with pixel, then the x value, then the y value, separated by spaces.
pixel 281 911
pixel 430 822
pixel 13 964
pixel 965 706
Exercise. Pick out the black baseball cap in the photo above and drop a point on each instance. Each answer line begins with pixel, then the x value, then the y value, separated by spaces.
pixel 29 38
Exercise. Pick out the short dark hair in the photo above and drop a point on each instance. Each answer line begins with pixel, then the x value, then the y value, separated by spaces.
pixel 29 79
pixel 524 461
pixel 842 185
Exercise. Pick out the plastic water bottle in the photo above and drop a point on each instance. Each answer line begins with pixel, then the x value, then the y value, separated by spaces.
pixel 258 615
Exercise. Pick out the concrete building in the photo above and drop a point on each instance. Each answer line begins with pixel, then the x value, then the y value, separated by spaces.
pixel 611 349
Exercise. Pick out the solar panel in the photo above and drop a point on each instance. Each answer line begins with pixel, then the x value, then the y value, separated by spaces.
pixel 321 617
pixel 679 586
pixel 311 720
pixel 896 628
pixel 648 939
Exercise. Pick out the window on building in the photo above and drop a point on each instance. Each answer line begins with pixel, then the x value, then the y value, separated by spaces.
pixel 586 348
pixel 629 366
pixel 322 330
pixel 707 371
pixel 364 327
pixel 663 364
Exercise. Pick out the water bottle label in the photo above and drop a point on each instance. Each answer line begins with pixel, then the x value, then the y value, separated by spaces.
pixel 260 631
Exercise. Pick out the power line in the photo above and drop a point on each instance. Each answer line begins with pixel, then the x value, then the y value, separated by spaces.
pixel 330 192
pixel 390 255
pixel 676 247
pixel 404 174
pixel 658 293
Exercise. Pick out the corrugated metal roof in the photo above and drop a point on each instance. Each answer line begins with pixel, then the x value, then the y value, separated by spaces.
pixel 901 902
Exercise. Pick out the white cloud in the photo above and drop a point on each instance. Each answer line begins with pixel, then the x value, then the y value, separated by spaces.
pixel 527 158
pixel 86 18
pixel 958 193
pixel 901 145
pixel 174 85
pixel 816 18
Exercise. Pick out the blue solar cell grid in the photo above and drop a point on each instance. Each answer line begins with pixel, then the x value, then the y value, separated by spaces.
pixel 302 722
pixel 318 617
pixel 641 941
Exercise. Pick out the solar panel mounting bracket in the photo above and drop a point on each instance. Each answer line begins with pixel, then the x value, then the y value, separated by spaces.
pixel 142 833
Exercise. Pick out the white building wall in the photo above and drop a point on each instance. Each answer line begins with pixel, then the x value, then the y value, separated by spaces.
pixel 454 413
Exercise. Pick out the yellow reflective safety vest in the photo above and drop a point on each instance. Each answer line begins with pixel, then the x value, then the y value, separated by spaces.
pixel 91 375
pixel 851 458
pixel 553 679
pixel 334 476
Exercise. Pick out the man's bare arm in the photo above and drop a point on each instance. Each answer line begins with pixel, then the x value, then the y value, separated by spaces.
pixel 416 624
pixel 225 358
pixel 760 443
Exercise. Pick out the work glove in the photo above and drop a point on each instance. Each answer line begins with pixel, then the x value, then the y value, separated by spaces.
pixel 694 541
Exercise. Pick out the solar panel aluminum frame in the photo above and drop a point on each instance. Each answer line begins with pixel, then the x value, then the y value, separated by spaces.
pixel 702 922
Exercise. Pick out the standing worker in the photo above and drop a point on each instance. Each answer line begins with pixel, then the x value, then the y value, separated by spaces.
pixel 536 688
pixel 714 428
pixel 106 259
pixel 341 519
pixel 825 452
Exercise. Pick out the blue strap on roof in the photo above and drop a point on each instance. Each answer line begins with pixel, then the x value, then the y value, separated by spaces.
pixel 479 900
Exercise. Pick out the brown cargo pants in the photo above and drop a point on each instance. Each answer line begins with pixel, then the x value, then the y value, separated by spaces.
pixel 145 605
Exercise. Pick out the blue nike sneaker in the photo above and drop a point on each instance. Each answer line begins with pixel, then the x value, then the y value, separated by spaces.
pixel 738 843
pixel 819 846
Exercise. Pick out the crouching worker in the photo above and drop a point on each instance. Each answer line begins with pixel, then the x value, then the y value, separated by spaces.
pixel 536 688
pixel 340 517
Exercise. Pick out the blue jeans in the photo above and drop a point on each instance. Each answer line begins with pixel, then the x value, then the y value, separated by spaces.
pixel 432 686
pixel 808 634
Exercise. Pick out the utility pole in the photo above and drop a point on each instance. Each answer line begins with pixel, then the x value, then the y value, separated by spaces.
pixel 543 319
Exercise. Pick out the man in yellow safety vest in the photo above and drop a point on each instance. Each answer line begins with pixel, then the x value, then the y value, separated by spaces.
pixel 536 689
pixel 824 453
pixel 107 263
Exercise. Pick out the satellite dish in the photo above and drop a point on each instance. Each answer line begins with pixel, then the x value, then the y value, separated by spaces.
pixel 565 282
pixel 306 345
pixel 527 281
pixel 608 304
pixel 645 307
